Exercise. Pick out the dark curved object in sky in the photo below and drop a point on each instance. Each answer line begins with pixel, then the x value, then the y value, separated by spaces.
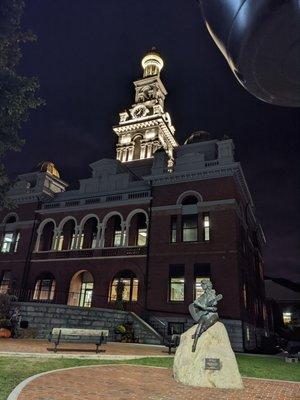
pixel 260 40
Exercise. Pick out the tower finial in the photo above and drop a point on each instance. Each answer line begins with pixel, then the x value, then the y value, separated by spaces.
pixel 152 63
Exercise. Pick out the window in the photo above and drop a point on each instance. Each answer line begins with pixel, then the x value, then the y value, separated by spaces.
pixel 117 238
pixel 176 289
pixel 190 228
pixel 206 227
pixel 201 273
pixel 11 219
pixel 86 294
pixel 10 242
pixel 44 288
pixel 87 239
pixel 81 289
pixel 5 282
pixel 188 200
pixel 287 317
pixel 173 228
pixel 7 243
pixel 45 238
pixel 141 229
pixel 198 285
pixel 67 238
pixel 176 283
pixel 131 283
pixel 142 237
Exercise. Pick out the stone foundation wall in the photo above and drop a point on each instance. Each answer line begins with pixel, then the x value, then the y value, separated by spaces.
pixel 43 317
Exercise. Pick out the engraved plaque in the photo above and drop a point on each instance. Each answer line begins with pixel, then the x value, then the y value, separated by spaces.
pixel 212 364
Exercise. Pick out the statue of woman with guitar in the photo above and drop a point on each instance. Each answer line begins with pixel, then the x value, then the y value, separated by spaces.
pixel 204 310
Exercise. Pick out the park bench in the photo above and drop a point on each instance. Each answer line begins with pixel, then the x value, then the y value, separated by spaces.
pixel 172 342
pixel 96 336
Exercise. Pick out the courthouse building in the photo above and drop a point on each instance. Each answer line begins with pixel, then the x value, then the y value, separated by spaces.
pixel 161 217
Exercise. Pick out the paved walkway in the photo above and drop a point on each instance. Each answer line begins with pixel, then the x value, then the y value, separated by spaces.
pixel 123 382
pixel 35 347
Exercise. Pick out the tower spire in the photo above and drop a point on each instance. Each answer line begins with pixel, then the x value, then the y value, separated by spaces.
pixel 146 126
pixel 152 63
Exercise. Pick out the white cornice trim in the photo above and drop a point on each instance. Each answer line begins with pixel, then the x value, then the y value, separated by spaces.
pixel 201 205
pixel 85 207
pixel 90 258
pixel 196 175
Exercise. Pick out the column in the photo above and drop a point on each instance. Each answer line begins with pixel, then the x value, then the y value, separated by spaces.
pixel 119 154
pixel 127 231
pixel 98 236
pixel 143 151
pixel 130 153
pixel 124 155
pixel 38 240
pixel 77 232
pixel 56 235
pixel 123 234
pixel 149 150
pixel 102 237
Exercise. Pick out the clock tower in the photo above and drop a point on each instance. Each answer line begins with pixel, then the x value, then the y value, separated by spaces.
pixel 146 126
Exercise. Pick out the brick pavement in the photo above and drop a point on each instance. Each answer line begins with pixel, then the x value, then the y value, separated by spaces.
pixel 123 382
pixel 40 346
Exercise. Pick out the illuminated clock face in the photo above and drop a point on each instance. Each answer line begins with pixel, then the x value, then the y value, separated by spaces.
pixel 139 111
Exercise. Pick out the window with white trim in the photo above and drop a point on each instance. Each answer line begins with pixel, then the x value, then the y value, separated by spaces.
pixel 206 227
pixel 190 228
pixel 10 242
pixel 176 283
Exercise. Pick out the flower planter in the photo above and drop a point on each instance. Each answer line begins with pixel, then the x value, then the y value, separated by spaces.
pixel 5 333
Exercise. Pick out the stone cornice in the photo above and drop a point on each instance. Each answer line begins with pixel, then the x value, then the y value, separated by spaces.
pixel 144 123
pixel 62 208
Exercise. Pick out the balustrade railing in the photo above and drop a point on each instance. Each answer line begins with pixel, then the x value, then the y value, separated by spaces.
pixel 99 199
pixel 97 252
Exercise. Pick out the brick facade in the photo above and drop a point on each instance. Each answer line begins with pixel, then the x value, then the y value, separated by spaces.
pixel 141 220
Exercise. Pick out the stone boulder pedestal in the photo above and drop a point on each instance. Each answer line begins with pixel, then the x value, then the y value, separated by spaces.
pixel 213 364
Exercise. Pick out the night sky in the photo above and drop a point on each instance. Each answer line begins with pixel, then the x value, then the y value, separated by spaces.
pixel 88 54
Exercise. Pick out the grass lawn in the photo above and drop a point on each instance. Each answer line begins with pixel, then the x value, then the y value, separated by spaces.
pixel 14 369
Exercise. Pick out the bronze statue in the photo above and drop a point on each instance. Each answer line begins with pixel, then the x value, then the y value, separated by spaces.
pixel 204 310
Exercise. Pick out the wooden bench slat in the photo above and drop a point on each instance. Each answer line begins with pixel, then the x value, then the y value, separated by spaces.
pixel 80 332
pixel 95 336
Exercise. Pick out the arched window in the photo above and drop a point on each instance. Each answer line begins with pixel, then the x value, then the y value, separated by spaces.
pixel 10 238
pixel 138 230
pixel 66 240
pixel 130 286
pixel 89 234
pixel 137 148
pixel 189 218
pixel 44 289
pixel 46 238
pixel 113 232
pixel 11 219
pixel 81 289
pixel 188 200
